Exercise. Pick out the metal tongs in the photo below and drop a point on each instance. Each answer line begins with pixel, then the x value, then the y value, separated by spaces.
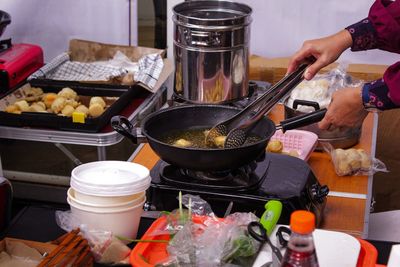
pixel 239 126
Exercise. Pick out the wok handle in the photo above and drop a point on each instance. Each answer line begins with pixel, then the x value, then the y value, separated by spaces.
pixel 302 120
pixel 309 103
pixel 124 127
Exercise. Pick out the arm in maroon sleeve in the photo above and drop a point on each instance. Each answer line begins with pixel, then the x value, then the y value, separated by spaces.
pixel 380 30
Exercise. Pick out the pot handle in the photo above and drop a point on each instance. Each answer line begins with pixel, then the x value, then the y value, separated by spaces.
pixel 124 127
pixel 298 102
pixel 302 120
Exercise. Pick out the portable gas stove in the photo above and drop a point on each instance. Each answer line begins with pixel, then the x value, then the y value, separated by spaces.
pixel 249 187
pixel 17 61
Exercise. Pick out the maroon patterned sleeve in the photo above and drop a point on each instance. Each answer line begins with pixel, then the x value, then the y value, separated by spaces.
pixel 363 34
pixel 376 94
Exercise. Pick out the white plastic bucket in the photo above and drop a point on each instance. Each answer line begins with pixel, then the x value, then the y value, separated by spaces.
pixel 102 206
pixel 109 181
pixel 122 222
pixel 109 195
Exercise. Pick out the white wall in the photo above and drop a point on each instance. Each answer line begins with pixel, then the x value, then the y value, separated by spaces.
pixel 280 26
pixel 52 23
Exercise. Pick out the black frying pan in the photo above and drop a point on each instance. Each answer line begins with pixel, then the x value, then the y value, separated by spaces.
pixel 186 117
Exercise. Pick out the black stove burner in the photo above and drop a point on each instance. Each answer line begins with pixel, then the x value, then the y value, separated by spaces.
pixel 5 45
pixel 278 177
pixel 245 178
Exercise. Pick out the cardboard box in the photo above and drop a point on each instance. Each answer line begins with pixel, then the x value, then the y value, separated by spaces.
pixel 23 252
pixel 88 51
pixel 274 69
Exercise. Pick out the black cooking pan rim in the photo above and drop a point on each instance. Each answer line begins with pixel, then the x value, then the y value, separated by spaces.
pixel 161 111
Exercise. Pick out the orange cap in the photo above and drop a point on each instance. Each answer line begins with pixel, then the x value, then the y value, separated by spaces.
pixel 302 222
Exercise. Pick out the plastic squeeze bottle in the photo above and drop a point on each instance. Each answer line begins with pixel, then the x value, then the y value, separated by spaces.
pixel 300 251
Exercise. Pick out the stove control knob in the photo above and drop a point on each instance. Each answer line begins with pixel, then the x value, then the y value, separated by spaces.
pixel 319 192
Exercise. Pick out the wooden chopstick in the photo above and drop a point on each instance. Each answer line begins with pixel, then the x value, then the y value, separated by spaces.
pixel 65 252
pixel 81 260
pixel 68 238
pixel 72 249
pixel 74 253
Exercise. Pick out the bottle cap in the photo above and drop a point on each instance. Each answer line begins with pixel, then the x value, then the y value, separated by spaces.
pixel 302 222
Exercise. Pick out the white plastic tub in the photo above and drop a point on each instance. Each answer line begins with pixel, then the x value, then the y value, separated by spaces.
pixel 109 195
pixel 109 182
pixel 101 206
pixel 122 222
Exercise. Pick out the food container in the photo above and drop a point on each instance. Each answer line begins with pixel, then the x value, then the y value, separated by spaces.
pixel 109 195
pixel 211 50
pixel 339 138
pixel 116 99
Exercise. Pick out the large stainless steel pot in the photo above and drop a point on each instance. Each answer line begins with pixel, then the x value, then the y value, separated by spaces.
pixel 211 50
pixel 339 138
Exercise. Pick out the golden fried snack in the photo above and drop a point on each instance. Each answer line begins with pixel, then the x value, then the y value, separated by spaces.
pixel 22 105
pixel 96 110
pixel 294 153
pixel 36 107
pixel 82 109
pixel 97 100
pixel 58 104
pixel 48 99
pixel 219 141
pixel 33 93
pixel 275 146
pixel 13 109
pixel 365 160
pixel 67 110
pixel 68 93
pixel 354 159
pixel 182 143
pixel 72 102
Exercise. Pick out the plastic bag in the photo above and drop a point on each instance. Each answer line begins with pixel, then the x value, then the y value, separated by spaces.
pixel 211 241
pixel 177 219
pixel 353 161
pixel 321 88
pixel 105 247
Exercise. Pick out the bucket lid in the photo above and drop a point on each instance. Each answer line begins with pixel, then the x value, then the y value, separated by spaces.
pixel 110 178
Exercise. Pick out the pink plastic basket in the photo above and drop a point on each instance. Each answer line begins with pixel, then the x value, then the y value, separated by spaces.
pixel 303 142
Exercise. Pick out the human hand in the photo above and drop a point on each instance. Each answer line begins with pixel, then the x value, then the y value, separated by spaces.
pixel 345 110
pixel 325 51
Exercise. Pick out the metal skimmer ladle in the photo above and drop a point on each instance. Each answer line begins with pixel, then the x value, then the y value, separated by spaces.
pixel 237 127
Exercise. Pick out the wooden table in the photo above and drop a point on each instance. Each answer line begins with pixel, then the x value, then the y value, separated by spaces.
pixel 346 206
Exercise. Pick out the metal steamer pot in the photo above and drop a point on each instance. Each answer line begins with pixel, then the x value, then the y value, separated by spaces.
pixel 211 51
pixel 338 138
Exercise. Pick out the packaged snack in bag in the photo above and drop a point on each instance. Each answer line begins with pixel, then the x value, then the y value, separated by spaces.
pixel 354 161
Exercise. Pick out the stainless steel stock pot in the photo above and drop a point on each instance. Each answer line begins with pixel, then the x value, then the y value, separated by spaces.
pixel 211 50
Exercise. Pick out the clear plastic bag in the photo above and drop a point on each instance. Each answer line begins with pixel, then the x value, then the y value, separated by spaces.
pixel 105 247
pixel 211 241
pixel 353 161
pixel 321 88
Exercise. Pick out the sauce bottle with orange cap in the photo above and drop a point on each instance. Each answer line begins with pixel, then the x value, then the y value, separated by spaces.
pixel 300 251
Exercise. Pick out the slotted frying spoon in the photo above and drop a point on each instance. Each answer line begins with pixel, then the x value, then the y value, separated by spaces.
pixel 238 127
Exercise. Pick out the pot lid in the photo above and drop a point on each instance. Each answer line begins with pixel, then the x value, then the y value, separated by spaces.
pixel 110 178
pixel 212 13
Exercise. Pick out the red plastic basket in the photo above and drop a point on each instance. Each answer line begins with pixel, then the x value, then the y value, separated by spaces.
pixel 368 255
